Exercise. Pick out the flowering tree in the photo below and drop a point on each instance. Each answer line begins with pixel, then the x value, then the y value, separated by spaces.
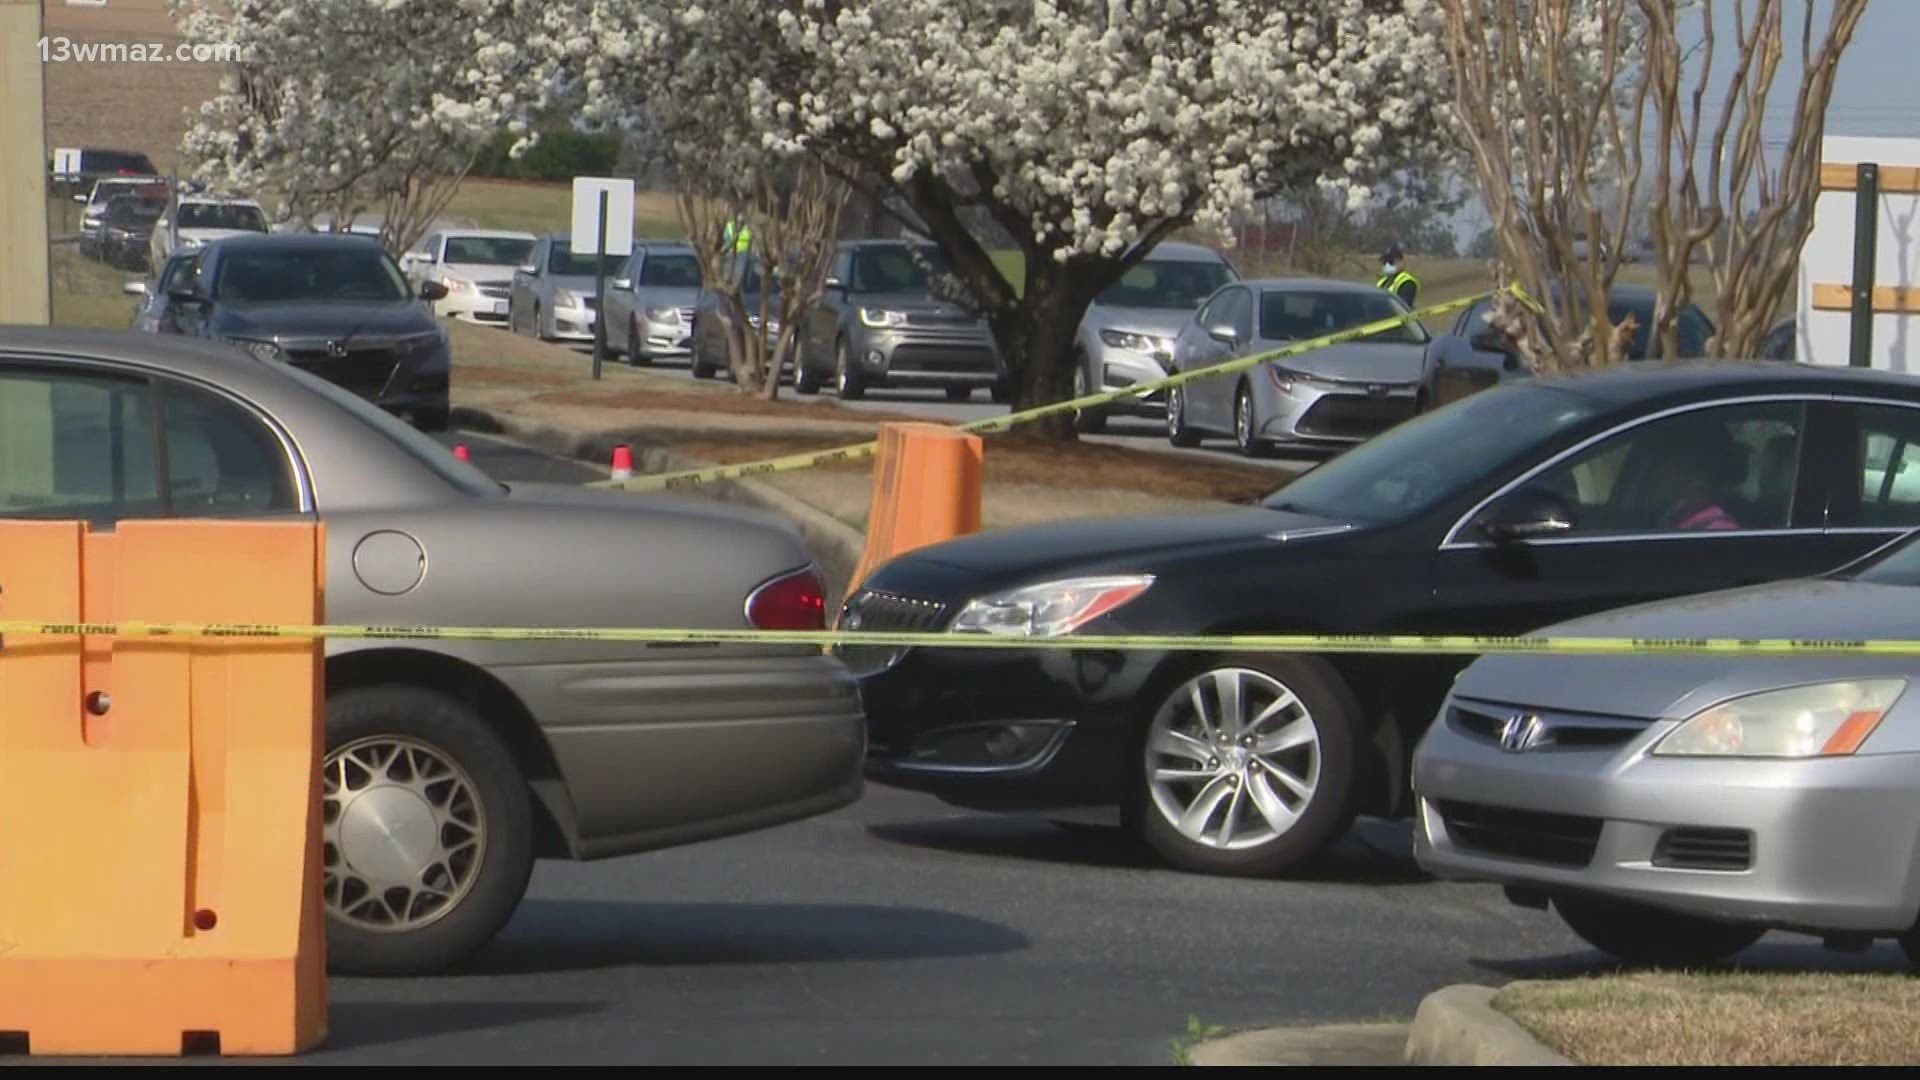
pixel 340 106
pixel 1578 113
pixel 1086 131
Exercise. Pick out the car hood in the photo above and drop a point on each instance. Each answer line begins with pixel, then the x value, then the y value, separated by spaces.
pixel 207 236
pixel 1157 322
pixel 1361 362
pixel 479 273
pixel 580 283
pixel 322 318
pixel 1651 686
pixel 1005 557
pixel 917 303
pixel 666 296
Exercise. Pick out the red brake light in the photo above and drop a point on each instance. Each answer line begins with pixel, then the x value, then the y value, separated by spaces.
pixel 795 601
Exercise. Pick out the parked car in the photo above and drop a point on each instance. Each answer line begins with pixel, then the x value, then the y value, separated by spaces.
pixel 99 162
pixel 1331 397
pixel 334 305
pixel 707 354
pixel 650 304
pixel 880 325
pixel 1475 351
pixel 95 205
pixel 1127 334
pixel 1673 809
pixel 475 265
pixel 127 228
pixel 553 292
pixel 153 310
pixel 450 766
pixel 1520 506
pixel 201 219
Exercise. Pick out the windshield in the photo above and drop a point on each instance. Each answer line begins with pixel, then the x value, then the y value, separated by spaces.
pixel 487 250
pixel 1300 314
pixel 222 216
pixel 1166 284
pixel 356 271
pixel 671 271
pixel 458 474
pixel 896 269
pixel 105 190
pixel 565 263
pixel 1413 467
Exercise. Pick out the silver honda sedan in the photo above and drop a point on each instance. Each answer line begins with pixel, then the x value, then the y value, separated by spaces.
pixel 451 766
pixel 1674 808
pixel 1331 397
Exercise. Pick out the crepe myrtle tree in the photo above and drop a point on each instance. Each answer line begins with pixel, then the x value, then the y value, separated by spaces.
pixel 341 106
pixel 1086 131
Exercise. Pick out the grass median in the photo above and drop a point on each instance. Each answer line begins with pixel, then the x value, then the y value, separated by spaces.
pixel 1735 1018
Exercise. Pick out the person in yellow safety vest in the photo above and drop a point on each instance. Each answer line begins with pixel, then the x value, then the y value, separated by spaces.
pixel 740 234
pixel 1395 278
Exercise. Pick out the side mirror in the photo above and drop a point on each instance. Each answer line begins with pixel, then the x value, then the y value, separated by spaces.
pixel 1528 514
pixel 1491 341
pixel 527 269
pixel 134 288
pixel 836 283
pixel 186 296
pixel 623 283
pixel 1223 332
pixel 81 199
pixel 433 290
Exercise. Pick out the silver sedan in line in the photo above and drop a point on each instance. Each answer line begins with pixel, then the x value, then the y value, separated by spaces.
pixel 1674 808
pixel 450 766
pixel 1332 397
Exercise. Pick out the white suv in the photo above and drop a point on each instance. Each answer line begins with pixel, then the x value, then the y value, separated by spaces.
pixel 199 220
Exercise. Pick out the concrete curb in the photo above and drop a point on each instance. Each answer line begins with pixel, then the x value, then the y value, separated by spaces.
pixel 835 544
pixel 1458 1025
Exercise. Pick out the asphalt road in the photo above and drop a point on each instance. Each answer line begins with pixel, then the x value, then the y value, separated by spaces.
pixel 900 931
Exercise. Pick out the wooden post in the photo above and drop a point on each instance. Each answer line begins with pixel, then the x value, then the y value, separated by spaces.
pixel 25 291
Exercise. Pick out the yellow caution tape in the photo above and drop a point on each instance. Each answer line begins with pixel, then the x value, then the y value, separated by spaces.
pixel 857 451
pixel 1431 644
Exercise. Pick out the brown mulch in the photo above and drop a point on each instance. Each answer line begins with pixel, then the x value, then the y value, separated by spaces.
pixel 473 375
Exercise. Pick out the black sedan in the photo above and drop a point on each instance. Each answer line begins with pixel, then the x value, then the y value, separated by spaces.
pixel 1517 507
pixel 335 305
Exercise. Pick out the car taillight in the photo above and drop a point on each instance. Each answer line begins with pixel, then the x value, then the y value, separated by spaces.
pixel 795 601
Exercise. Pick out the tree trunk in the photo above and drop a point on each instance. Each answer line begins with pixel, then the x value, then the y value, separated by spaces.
pixel 1038 346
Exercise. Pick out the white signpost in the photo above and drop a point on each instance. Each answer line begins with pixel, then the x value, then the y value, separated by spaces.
pixel 603 228
pixel 1858 297
pixel 66 163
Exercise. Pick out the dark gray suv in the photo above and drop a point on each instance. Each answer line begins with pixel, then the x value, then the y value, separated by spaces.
pixel 879 325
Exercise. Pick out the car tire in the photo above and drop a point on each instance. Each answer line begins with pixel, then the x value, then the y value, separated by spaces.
pixel 805 381
pixel 635 358
pixel 437 751
pixel 959 393
pixel 1003 391
pixel 1086 421
pixel 1653 937
pixel 1246 422
pixel 1245 812
pixel 1178 432
pixel 848 382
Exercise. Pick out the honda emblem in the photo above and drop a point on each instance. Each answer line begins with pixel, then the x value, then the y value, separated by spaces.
pixel 1522 732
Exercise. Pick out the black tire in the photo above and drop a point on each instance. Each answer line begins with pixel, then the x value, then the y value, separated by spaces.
pixel 1245 423
pixel 848 382
pixel 1002 391
pixel 1087 421
pixel 1648 936
pixel 1178 433
pixel 959 393
pixel 455 732
pixel 1321 819
pixel 635 357
pixel 805 380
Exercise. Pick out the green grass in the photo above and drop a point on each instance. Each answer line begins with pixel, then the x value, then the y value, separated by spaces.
pixel 543 208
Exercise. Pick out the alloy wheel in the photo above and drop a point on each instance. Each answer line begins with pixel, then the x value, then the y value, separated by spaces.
pixel 403 834
pixel 1243 419
pixel 1233 759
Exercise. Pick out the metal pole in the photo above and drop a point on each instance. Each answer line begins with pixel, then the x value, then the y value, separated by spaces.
pixel 600 290
pixel 1866 232
pixel 26 291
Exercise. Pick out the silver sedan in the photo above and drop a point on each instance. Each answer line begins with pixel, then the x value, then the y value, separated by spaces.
pixel 1673 809
pixel 1331 397
pixel 451 766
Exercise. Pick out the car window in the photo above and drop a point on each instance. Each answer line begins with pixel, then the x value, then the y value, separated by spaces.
pixel 1165 284
pixel 1695 332
pixel 1242 315
pixel 221 216
pixel 896 269
pixel 1301 314
pixel 671 271
pixel 1211 312
pixel 1473 321
pixel 1416 465
pixel 77 446
pixel 221 460
pixel 1887 456
pixel 356 271
pixel 1727 468
pixel 562 261
pixel 490 251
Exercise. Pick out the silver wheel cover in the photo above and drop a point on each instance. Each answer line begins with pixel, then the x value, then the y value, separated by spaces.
pixel 403 834
pixel 1232 759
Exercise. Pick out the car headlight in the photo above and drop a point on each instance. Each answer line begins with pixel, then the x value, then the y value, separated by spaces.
pixel 1050 609
pixel 567 298
pixel 262 350
pixel 1126 339
pixel 669 316
pixel 460 286
pixel 187 242
pixel 880 318
pixel 1822 720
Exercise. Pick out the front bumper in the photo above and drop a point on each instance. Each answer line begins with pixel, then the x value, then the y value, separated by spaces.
pixel 471 308
pixel 911 356
pixel 573 324
pixel 1117 369
pixel 660 340
pixel 1336 414
pixel 1823 845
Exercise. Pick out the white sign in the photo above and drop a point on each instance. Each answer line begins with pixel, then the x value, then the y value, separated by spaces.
pixel 1826 337
pixel 586 215
pixel 66 161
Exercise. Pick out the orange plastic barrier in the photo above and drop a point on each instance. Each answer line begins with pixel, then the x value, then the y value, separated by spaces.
pixel 160 799
pixel 926 488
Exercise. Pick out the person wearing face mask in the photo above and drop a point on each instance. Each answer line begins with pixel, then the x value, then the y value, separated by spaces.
pixel 1395 278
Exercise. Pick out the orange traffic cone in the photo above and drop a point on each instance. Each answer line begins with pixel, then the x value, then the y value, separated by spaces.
pixel 460 451
pixel 622 463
